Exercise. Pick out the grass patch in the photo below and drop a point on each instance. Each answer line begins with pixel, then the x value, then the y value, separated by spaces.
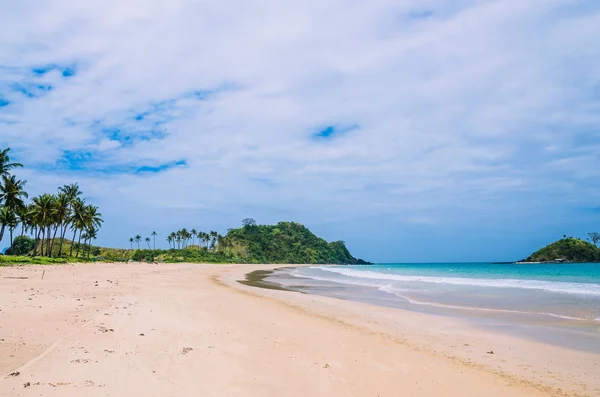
pixel 7 260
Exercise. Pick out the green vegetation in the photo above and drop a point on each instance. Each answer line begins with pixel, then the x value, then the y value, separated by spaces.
pixel 286 242
pixel 23 260
pixel 47 218
pixel 568 249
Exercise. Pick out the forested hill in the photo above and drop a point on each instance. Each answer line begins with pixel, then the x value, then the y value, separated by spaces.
pixel 286 242
pixel 568 250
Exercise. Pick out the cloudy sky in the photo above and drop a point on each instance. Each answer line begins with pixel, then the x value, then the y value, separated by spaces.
pixel 425 130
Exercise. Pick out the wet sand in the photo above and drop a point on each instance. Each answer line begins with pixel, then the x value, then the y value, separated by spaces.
pixel 179 330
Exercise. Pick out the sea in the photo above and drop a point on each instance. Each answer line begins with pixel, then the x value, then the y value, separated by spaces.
pixel 557 303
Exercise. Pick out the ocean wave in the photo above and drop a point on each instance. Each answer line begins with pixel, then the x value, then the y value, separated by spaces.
pixel 551 286
pixel 392 290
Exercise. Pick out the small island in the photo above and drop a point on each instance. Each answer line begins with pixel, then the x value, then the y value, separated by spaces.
pixel 567 249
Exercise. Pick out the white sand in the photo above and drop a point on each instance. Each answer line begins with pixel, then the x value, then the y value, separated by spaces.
pixel 192 330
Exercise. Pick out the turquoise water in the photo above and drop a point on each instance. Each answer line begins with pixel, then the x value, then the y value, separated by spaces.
pixel 563 299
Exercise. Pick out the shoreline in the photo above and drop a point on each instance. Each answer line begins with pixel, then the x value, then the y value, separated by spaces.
pixel 187 327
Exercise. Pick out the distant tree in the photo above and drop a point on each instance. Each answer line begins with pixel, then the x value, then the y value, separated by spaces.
pixel 213 239
pixel 5 164
pixel 7 219
pixel 154 234
pixel 148 242
pixel 138 240
pixel 248 222
pixel 131 240
pixel 193 233
pixel 594 237
pixel 22 245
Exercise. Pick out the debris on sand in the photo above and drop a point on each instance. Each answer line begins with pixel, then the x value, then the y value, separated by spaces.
pixel 26 384
pixel 186 350
pixel 16 373
pixel 490 352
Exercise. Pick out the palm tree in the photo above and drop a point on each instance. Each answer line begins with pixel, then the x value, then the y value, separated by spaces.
pixel 6 219
pixel 76 220
pixel 41 212
pixel 91 219
pixel 60 213
pixel 148 242
pixel 194 233
pixel 214 236
pixel 72 192
pixel 24 218
pixel 178 239
pixel 138 240
pixel 131 242
pixel 154 234
pixel 92 234
pixel 13 222
pixel 185 235
pixel 5 164
pixel 205 238
pixel 12 192
pixel 170 239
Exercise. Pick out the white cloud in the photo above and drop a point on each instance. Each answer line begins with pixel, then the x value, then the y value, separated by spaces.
pixel 458 104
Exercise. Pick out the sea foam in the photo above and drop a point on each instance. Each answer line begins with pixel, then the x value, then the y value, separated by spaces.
pixel 366 277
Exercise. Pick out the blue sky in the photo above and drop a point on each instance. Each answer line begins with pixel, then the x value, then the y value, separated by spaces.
pixel 412 130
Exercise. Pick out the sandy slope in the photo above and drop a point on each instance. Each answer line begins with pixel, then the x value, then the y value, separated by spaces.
pixel 191 330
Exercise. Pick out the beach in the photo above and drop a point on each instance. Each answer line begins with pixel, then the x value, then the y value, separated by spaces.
pixel 183 329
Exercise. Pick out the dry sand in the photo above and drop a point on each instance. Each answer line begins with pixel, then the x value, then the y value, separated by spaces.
pixel 192 330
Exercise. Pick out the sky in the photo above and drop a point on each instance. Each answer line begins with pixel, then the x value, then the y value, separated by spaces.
pixel 414 131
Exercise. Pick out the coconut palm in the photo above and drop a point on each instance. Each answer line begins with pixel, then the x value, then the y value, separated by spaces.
pixel 41 212
pixel 138 240
pixel 154 234
pixel 213 239
pixel 92 234
pixel 73 193
pixel 147 240
pixel 205 239
pixel 12 192
pixel 193 233
pixel 61 215
pixel 5 164
pixel 170 239
pixel 90 219
pixel 185 235
pixel 131 239
pixel 24 218
pixel 7 218
pixel 76 220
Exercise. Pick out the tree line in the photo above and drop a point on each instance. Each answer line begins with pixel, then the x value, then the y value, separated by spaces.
pixel 47 218
pixel 182 239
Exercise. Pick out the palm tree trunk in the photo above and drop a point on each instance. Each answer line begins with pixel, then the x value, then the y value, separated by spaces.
pixel 11 236
pixel 53 237
pixel 48 232
pixel 63 230
pixel 42 230
pixel 35 236
pixel 78 244
pixel 72 243
pixel 2 232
